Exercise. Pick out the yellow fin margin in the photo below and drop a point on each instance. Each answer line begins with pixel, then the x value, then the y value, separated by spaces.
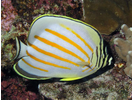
pixel 70 79
pixel 31 78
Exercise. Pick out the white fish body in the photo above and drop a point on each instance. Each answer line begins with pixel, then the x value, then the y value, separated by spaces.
pixel 61 47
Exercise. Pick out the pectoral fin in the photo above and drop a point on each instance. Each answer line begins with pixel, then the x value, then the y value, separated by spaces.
pixel 83 64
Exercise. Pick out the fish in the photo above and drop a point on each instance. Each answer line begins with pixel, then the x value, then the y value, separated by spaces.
pixel 61 47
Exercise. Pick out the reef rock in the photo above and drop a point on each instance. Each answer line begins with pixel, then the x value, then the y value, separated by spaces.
pixel 109 86
pixel 123 48
pixel 107 15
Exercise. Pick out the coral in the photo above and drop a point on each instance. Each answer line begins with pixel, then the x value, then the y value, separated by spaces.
pixel 108 15
pixel 30 9
pixel 13 89
pixel 8 15
pixel 128 69
pixel 20 15
pixel 8 50
pixel 108 86
pixel 123 47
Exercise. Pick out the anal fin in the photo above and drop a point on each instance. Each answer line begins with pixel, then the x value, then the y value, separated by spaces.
pixel 70 79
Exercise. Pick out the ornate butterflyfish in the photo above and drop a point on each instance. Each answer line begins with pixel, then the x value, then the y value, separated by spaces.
pixel 61 47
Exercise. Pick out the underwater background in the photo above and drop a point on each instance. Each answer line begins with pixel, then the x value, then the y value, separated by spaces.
pixel 111 83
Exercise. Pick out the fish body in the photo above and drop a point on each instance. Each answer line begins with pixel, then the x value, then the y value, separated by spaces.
pixel 61 47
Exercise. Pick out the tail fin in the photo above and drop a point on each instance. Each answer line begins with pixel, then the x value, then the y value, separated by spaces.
pixel 21 49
